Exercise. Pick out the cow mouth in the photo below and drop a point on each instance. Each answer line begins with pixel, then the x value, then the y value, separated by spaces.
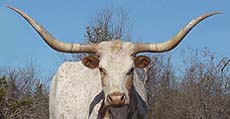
pixel 117 105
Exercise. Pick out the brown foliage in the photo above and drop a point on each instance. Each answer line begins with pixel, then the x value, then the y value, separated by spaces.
pixel 22 96
pixel 200 92
pixel 108 25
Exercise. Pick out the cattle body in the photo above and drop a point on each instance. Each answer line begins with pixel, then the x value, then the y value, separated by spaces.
pixel 73 90
pixel 105 81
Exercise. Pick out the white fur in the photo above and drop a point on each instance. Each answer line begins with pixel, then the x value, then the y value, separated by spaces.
pixel 116 58
pixel 72 90
pixel 74 86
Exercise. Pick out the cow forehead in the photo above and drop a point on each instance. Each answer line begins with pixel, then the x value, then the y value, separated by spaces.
pixel 115 47
pixel 116 55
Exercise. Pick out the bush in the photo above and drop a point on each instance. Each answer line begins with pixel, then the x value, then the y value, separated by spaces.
pixel 22 96
pixel 200 92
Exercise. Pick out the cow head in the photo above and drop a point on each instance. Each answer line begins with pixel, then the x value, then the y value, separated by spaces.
pixel 114 59
pixel 116 62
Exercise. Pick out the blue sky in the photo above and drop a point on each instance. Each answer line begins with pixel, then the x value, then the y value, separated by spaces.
pixel 153 21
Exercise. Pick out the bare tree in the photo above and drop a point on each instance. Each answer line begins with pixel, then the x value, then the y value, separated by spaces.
pixel 200 92
pixel 21 97
pixel 108 24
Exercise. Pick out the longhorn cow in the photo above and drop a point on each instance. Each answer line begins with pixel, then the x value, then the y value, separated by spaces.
pixel 106 80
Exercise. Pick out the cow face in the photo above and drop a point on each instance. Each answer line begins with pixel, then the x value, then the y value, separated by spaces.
pixel 116 64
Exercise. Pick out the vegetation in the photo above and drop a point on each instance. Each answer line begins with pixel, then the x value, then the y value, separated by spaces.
pixel 201 91
pixel 22 96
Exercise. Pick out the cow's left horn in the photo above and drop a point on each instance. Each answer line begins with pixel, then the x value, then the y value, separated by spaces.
pixel 173 42
pixel 54 43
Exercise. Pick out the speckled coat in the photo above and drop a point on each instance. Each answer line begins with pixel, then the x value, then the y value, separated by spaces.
pixel 73 89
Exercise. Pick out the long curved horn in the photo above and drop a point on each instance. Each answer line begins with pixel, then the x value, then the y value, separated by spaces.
pixel 174 41
pixel 54 43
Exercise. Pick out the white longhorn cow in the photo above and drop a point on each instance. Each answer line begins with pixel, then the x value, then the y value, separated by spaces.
pixel 106 80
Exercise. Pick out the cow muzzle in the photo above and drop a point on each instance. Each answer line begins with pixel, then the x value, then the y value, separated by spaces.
pixel 117 99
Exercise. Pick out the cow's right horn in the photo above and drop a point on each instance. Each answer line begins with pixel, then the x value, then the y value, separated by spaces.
pixel 174 41
pixel 54 43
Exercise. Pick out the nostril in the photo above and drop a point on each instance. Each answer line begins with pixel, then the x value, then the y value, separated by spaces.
pixel 110 98
pixel 122 97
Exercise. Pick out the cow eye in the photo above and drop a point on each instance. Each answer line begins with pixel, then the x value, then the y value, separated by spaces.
pixel 102 70
pixel 130 71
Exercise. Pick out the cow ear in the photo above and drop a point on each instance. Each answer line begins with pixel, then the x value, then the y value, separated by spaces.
pixel 141 61
pixel 91 62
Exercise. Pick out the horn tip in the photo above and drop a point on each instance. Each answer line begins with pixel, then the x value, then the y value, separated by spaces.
pixel 214 13
pixel 220 12
pixel 10 7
